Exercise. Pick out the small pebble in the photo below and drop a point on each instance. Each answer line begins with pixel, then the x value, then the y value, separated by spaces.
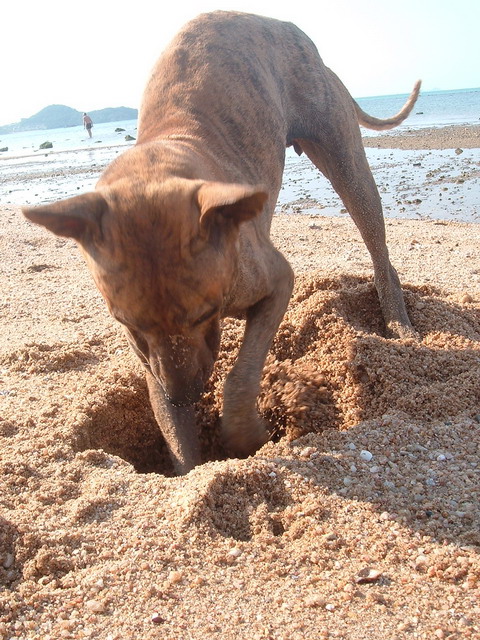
pixel 315 601
pixel 307 452
pixel 367 575
pixel 157 618
pixel 421 562
pixel 385 515
pixel 8 561
pixel 95 606
pixel 366 455
pixel 235 552
pixel 174 577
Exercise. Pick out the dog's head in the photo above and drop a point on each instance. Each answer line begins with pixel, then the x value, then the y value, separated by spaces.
pixel 164 257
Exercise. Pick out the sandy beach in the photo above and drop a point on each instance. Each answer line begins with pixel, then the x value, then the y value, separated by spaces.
pixel 360 519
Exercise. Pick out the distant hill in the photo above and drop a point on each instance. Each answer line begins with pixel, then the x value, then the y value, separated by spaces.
pixel 58 115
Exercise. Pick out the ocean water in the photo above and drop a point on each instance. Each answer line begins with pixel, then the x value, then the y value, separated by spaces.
pixel 32 176
pixel 432 109
pixel 27 143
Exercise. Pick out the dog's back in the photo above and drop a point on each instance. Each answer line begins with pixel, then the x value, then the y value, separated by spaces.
pixel 236 79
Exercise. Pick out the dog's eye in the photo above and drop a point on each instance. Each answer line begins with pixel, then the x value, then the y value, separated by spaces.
pixel 208 315
pixel 139 344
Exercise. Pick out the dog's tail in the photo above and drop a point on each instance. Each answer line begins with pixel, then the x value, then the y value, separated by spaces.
pixel 389 123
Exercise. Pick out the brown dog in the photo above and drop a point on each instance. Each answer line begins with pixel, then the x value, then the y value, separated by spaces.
pixel 176 233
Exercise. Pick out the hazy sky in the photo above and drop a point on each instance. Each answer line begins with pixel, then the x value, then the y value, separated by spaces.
pixel 94 54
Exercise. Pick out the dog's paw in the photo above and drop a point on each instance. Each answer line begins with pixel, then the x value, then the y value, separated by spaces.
pixel 399 331
pixel 243 439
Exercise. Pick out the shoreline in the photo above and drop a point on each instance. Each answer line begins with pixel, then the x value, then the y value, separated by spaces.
pixel 38 153
pixel 431 138
pixel 403 137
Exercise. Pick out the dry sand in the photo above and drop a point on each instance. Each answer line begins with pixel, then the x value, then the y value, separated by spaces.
pixel 359 520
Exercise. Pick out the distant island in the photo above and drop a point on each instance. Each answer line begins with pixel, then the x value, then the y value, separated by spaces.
pixel 57 116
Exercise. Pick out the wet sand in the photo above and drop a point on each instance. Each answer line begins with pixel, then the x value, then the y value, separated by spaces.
pixel 359 519
pixel 431 174
pixel 450 137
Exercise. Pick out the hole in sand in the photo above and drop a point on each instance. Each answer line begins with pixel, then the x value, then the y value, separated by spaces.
pixel 121 422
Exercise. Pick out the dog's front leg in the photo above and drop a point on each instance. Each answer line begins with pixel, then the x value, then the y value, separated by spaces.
pixel 242 428
pixel 178 427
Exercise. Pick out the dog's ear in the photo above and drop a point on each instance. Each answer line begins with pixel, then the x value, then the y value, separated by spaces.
pixel 234 202
pixel 78 217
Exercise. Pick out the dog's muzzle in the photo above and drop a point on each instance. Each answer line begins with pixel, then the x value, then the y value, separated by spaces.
pixel 185 396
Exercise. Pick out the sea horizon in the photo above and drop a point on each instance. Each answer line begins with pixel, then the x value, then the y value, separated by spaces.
pixel 422 91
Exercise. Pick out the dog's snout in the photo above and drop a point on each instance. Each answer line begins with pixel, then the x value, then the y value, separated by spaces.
pixel 181 387
pixel 186 394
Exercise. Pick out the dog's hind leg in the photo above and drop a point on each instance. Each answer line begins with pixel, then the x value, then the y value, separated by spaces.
pixel 341 157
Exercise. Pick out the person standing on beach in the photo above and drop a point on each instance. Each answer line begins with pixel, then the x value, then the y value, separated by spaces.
pixel 87 124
